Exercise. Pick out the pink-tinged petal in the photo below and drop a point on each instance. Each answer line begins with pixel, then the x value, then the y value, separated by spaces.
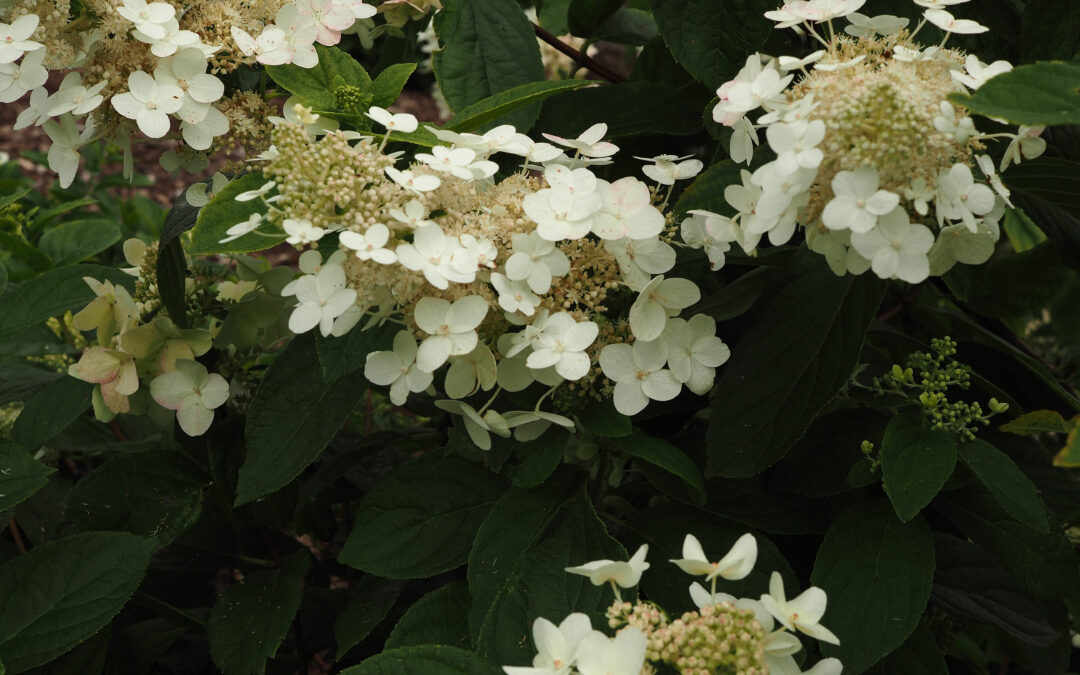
pixel 215 391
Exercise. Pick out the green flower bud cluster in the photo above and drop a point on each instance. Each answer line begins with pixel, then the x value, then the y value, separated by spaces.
pixel 926 379
pixel 348 97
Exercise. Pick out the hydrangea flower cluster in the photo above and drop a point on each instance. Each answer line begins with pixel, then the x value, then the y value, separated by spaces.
pixel 551 275
pixel 155 66
pixel 725 634
pixel 871 158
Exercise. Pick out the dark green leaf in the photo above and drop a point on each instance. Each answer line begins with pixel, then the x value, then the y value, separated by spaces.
pixel 1012 489
pixel 629 109
pixel 968 584
pixel 487 110
pixel 585 16
pixel 77 240
pixel 250 619
pixel 820 463
pixel 19 379
pixel 915 462
pixel 50 410
pixel 316 85
pixel 659 452
pixel 503 541
pixel 420 519
pixel 424 660
pixel 20 475
pixel 3 279
pixel 339 356
pixel 1040 94
pixel 711 38
pixel 919 655
pixel 750 502
pixel 155 494
pixel 371 600
pixel 171 265
pixel 62 592
pixel 389 83
pixel 66 206
pixel 1015 285
pixel 600 418
pixel 223 212
pixel 538 458
pixel 800 348
pixel 52 294
pixel 1045 564
pixel 553 16
pixel 1050 30
pixel 1048 189
pixel 136 648
pixel 627 26
pixel 707 190
pixel 738 297
pixel 439 618
pixel 489 47
pixel 296 412
pixel 541 587
pixel 877 573
pixel 16 246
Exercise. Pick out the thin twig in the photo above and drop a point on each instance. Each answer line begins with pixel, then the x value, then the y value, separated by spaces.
pixel 583 60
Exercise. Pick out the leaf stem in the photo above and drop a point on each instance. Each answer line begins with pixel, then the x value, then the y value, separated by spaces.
pixel 583 60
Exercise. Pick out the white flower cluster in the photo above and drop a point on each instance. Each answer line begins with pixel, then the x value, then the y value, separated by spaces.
pixel 870 157
pixel 573 239
pixel 177 86
pixel 574 646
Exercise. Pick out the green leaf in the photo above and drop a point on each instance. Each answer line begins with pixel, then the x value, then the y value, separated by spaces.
pixel 738 297
pixel 50 411
pixel 820 463
pixel 660 453
pixel 600 418
pixel 707 190
pixel 154 494
pixel 223 212
pixel 627 26
pixel 77 240
pixel 540 585
pixel 489 47
pixel 629 109
pixel 585 16
pixel 801 346
pixel 1037 422
pixel 316 85
pixel 439 618
pixel 538 458
pixel 1045 564
pixel 1041 94
pixel 389 83
pixel 19 379
pixel 52 294
pixel 502 544
pixel 919 655
pixel 424 660
pixel 339 356
pixel 66 206
pixel 1048 189
pixel 916 460
pixel 62 592
pixel 1011 487
pixel 3 279
pixel 20 475
pixel 1012 286
pixel 877 573
pixel 711 38
pixel 20 249
pixel 969 585
pixel 250 619
pixel 371 600
pixel 295 413
pixel 171 265
pixel 487 110
pixel 553 16
pixel 1050 30
pixel 421 518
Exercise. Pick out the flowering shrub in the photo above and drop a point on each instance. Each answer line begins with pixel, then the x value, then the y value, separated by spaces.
pixel 456 328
